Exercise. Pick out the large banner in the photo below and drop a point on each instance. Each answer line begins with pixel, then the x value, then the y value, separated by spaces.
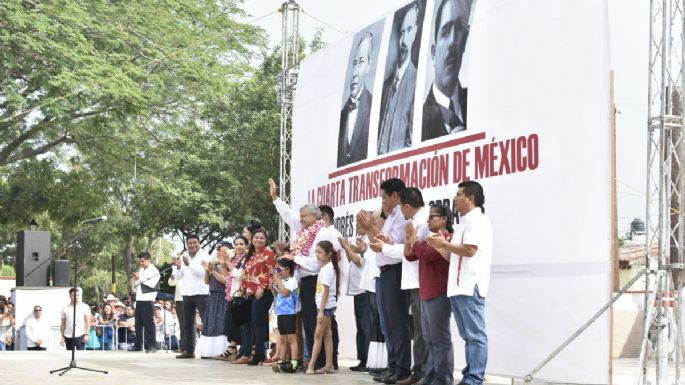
pixel 514 94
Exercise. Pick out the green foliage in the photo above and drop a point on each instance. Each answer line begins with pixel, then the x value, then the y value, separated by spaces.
pixel 160 115
pixel 7 271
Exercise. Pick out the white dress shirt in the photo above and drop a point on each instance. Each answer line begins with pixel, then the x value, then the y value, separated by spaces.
pixel 148 277
pixel 467 272
pixel 394 227
pixel 410 269
pixel 192 277
pixel 309 265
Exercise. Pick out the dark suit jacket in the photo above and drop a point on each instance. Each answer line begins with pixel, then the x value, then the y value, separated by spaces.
pixel 357 148
pixel 433 125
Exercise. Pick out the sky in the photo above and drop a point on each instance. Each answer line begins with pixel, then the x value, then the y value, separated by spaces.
pixel 629 43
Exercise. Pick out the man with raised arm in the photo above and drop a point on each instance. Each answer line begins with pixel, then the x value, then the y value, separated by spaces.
pixel 309 229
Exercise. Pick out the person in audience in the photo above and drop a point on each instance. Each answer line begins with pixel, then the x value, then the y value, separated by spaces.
pixel 328 216
pixel 164 327
pixel 104 327
pixel 259 264
pixel 286 311
pixel 327 287
pixel 37 330
pixel 126 328
pixel 111 300
pixel 7 323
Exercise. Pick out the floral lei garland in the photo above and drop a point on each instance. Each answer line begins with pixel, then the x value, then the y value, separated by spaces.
pixel 305 239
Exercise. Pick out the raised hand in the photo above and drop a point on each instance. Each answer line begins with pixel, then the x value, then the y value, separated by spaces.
pixel 363 220
pixel 272 189
pixel 409 233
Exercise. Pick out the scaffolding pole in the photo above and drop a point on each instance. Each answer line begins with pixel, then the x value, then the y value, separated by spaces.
pixel 287 81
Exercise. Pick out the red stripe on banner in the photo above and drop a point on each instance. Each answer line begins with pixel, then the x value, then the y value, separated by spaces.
pixel 407 154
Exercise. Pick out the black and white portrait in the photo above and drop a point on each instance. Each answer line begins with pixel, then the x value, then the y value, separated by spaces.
pixel 353 137
pixel 397 101
pixel 444 109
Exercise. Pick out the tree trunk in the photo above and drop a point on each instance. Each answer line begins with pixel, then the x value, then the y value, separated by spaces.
pixel 128 261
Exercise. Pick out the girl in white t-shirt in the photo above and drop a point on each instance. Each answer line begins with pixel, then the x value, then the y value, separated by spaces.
pixel 327 285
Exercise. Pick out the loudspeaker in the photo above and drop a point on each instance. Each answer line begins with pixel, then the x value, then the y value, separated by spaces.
pixel 59 273
pixel 33 248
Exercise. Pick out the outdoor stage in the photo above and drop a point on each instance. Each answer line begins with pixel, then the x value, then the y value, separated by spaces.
pixel 162 368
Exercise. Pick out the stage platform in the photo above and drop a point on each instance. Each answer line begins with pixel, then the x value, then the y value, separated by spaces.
pixel 162 368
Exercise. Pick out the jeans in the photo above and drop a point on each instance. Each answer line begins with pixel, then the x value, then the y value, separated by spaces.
pixel 469 313
pixel 245 338
pixel 259 324
pixel 435 323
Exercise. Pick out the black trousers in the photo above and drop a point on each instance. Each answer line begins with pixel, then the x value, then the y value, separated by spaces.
pixel 395 308
pixel 191 303
pixel 376 335
pixel 308 310
pixel 75 343
pixel 181 322
pixel 145 325
pixel 362 317
pixel 38 348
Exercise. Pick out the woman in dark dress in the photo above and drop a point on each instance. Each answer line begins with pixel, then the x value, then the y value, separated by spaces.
pixel 214 340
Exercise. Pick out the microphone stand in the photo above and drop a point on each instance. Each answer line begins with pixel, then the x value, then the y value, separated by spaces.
pixel 72 363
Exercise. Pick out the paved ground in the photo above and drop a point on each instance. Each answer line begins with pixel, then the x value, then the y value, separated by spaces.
pixel 27 368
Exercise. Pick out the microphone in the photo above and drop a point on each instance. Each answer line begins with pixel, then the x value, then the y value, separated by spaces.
pixel 95 220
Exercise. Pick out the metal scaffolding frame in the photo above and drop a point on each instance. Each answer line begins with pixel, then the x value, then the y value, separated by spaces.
pixel 665 187
pixel 287 81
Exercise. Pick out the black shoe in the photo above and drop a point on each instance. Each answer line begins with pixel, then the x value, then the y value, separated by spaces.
pixel 392 379
pixel 378 371
pixel 153 350
pixel 358 368
pixel 383 376
pixel 134 349
pixel 256 361
pixel 185 355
